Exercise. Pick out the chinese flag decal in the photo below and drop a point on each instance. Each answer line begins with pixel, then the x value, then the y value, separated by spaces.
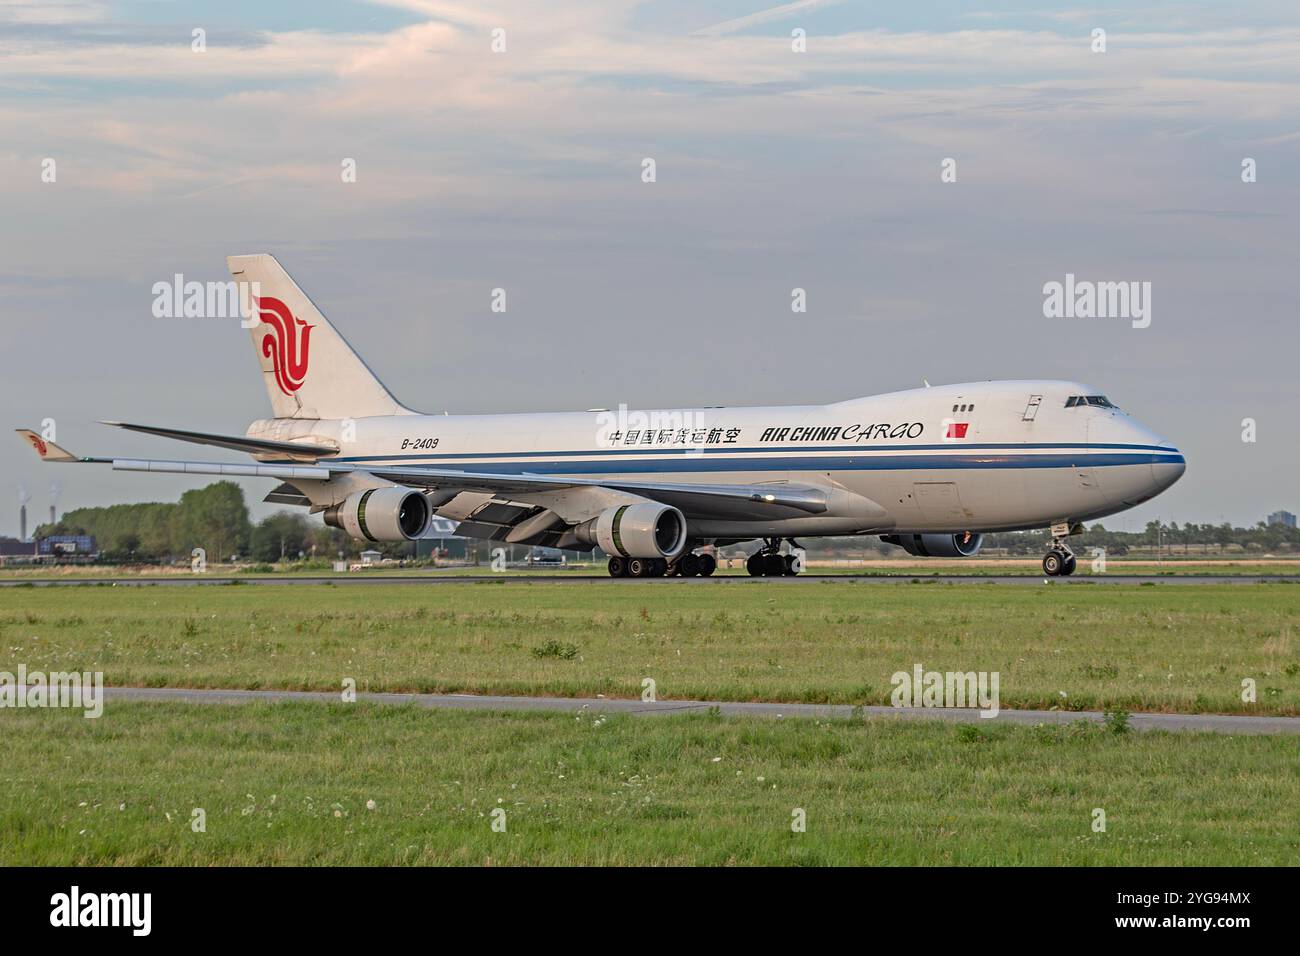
pixel 957 429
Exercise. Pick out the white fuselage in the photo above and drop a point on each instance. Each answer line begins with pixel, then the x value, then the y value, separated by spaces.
pixel 975 457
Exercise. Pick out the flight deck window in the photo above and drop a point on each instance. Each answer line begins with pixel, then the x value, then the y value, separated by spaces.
pixel 1098 401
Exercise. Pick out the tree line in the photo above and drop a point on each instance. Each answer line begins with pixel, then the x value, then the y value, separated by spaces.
pixel 1170 538
pixel 214 518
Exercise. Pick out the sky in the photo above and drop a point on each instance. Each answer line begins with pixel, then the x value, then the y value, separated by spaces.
pixel 774 169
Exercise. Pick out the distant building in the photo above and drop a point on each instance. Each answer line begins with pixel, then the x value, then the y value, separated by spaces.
pixel 67 546
pixel 14 551
pixel 442 538
pixel 1285 518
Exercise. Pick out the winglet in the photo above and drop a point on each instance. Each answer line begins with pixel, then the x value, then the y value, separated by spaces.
pixel 46 449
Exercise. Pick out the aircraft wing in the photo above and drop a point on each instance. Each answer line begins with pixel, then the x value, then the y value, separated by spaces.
pixel 740 502
pixel 694 500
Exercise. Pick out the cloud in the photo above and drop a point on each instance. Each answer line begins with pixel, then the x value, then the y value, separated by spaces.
pixel 52 11
pixel 765 16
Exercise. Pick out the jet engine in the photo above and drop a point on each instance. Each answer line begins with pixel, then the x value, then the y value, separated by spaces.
pixel 963 545
pixel 382 514
pixel 645 530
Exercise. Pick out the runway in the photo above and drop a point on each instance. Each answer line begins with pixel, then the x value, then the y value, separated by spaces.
pixel 352 580
pixel 1216 723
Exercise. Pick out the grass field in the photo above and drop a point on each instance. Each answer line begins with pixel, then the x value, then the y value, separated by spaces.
pixel 290 783
pixel 1118 647
pixel 1177 565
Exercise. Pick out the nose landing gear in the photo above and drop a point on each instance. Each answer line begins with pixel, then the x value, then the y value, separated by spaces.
pixel 1060 560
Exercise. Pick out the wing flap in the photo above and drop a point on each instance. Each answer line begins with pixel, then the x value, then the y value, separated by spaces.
pixel 283 472
pixel 739 502
pixel 287 494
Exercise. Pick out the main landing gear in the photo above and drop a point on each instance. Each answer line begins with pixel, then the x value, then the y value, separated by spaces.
pixel 1059 561
pixel 686 565
pixel 769 562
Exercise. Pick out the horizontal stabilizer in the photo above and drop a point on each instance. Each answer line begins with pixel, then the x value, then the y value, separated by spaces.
pixel 234 442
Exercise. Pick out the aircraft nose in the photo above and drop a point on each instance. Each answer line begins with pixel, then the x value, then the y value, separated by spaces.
pixel 1168 466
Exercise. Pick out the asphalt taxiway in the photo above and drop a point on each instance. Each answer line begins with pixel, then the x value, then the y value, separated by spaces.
pixel 362 579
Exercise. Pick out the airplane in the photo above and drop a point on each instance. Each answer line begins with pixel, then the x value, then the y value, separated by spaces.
pixel 930 470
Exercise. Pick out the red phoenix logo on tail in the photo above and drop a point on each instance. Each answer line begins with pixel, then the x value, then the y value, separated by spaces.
pixel 286 345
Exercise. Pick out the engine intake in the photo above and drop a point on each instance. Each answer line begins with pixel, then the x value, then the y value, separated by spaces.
pixel 646 530
pixel 963 545
pixel 382 514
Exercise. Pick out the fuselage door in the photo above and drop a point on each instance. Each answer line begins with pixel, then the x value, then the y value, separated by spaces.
pixel 1031 410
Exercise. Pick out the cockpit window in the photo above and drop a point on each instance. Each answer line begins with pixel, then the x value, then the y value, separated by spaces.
pixel 1100 401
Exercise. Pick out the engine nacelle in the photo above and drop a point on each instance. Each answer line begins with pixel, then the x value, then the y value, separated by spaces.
pixel 382 514
pixel 964 545
pixel 646 530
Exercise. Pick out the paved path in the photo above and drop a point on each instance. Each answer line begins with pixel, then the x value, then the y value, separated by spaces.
pixel 1205 722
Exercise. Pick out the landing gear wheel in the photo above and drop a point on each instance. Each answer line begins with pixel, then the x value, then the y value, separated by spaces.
pixel 1068 569
pixel 639 567
pixel 1053 564
pixel 755 565
pixel 690 565
pixel 708 564
pixel 617 568
pixel 791 569
pixel 774 565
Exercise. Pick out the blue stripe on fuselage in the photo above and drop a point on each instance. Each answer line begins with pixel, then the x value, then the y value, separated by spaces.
pixel 695 451
pixel 839 462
